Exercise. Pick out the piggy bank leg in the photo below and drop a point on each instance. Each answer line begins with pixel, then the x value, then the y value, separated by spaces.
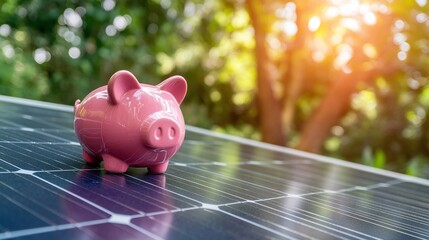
pixel 115 165
pixel 90 158
pixel 158 169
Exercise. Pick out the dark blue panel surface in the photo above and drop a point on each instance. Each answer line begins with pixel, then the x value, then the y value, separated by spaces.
pixel 216 187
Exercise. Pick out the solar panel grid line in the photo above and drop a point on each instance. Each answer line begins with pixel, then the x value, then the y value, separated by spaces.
pixel 330 231
pixel 318 223
pixel 243 181
pixel 372 222
pixel 327 222
pixel 99 198
pixel 169 191
pixel 39 143
pixel 35 103
pixel 27 208
pixel 165 207
pixel 35 154
pixel 70 200
pixel 373 219
pixel 307 155
pixel 262 226
pixel 47 229
pixel 274 168
pixel 231 185
pixel 3 161
pixel 200 182
pixel 248 157
pixel 75 195
pixel 378 208
pixel 66 157
pixel 131 194
pixel 255 201
pixel 353 179
pixel 144 231
pixel 38 205
pixel 273 180
pixel 250 162
pixel 238 139
pixel 318 229
pixel 415 213
pixel 43 121
pixel 407 199
pixel 418 217
pixel 203 150
pixel 285 185
pixel 163 224
pixel 17 201
pixel 87 223
pixel 48 155
pixel 28 158
pixel 26 129
pixel 198 186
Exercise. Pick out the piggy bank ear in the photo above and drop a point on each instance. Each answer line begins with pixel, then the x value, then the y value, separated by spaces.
pixel 120 83
pixel 175 85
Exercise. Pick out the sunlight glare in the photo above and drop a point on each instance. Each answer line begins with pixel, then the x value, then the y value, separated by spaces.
pixel 318 56
pixel 41 55
pixel 5 30
pixel 8 51
pixel 348 7
pixel 370 50
pixel 120 22
pixel 108 4
pixel 320 50
pixel 288 15
pixel 314 23
pixel 336 39
pixel 288 12
pixel 369 18
pixel 421 17
pixel 402 56
pixel 399 38
pixel 74 52
pixel 405 47
pixel 421 3
pixel 399 24
pixel 380 8
pixel 289 28
pixel 111 31
pixel 344 56
pixel 351 23
pixel 72 18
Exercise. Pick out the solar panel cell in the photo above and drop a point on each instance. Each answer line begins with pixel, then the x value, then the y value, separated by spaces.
pixel 217 187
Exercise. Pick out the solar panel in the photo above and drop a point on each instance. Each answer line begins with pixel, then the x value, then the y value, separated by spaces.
pixel 216 187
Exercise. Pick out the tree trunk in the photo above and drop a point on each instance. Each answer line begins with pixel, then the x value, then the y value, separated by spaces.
pixel 332 108
pixel 269 107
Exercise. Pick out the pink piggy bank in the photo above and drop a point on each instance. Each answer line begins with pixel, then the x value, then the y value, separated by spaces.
pixel 130 124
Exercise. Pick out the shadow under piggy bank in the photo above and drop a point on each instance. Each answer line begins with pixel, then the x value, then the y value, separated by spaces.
pixel 116 200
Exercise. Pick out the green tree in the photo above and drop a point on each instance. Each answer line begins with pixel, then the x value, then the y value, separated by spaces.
pixel 337 71
pixel 345 78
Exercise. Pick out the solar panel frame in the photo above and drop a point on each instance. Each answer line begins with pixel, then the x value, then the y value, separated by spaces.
pixel 217 186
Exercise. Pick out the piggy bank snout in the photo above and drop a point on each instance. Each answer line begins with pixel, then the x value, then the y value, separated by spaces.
pixel 162 133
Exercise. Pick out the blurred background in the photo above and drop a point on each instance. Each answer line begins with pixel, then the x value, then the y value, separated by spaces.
pixel 343 78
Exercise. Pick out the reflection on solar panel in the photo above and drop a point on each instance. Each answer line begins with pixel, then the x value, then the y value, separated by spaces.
pixel 216 187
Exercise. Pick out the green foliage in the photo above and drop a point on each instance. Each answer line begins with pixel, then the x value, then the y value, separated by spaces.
pixel 60 50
